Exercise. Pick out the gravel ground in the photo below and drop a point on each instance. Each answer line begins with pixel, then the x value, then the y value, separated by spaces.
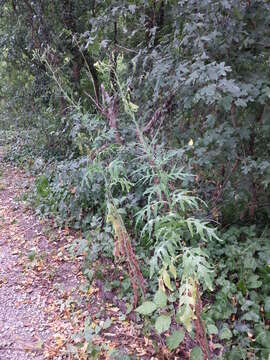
pixel 24 324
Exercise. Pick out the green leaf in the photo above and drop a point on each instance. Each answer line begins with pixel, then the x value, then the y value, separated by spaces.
pixel 196 354
pixel 160 299
pixel 263 338
pixel 267 307
pixel 163 323
pixel 190 228
pixel 175 339
pixel 253 282
pixel 225 333
pixel 267 304
pixel 208 282
pixel 241 286
pixel 212 329
pixel 251 316
pixel 147 308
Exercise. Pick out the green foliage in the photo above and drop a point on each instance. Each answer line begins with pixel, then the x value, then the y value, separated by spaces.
pixel 160 299
pixel 162 323
pixel 196 353
pixel 135 115
pixel 240 309
pixel 174 340
pixel 147 308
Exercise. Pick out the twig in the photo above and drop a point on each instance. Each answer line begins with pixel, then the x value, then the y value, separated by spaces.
pixel 158 114
pixel 126 49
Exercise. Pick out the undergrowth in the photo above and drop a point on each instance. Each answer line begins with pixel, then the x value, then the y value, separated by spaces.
pixel 146 126
pixel 155 210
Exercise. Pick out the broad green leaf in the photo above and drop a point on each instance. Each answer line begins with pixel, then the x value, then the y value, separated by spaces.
pixel 196 354
pixel 147 308
pixel 208 281
pixel 162 323
pixel 263 338
pixel 253 282
pixel 225 333
pixel 212 329
pixel 174 340
pixel 251 316
pixel 160 299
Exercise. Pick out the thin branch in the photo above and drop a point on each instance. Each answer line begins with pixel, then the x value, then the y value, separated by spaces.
pixel 126 49
pixel 158 114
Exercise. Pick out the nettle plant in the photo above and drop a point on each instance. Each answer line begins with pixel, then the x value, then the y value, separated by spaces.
pixel 169 220
pixel 177 237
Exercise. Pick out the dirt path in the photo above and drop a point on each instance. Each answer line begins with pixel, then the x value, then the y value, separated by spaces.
pixel 46 309
pixel 24 324
pixel 33 278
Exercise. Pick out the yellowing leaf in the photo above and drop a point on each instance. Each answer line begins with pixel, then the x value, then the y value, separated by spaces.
pixel 167 279
pixel 173 271
pixel 186 317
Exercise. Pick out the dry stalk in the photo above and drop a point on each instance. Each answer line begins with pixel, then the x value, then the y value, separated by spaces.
pixel 199 327
pixel 123 250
